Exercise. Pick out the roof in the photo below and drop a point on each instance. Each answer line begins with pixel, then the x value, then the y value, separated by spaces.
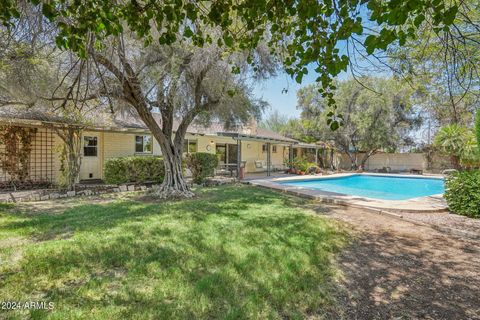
pixel 122 122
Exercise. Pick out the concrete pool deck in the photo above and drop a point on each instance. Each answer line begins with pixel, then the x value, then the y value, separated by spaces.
pixel 434 203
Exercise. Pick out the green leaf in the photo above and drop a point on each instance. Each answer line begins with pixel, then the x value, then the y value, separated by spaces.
pixel 370 43
pixel 188 32
pixel 228 40
pixel 299 78
pixel 449 15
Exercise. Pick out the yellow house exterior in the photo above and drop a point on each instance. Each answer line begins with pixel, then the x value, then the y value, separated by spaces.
pixel 248 146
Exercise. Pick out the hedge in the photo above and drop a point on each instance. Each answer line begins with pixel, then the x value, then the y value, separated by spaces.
pixel 462 191
pixel 202 165
pixel 134 169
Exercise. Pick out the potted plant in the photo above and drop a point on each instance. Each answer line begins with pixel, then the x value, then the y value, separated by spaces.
pixel 302 166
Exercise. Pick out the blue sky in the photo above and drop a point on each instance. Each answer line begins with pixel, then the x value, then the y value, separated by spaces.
pixel 272 91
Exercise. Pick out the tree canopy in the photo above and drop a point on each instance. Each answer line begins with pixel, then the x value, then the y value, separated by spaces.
pixel 373 120
pixel 445 67
pixel 300 33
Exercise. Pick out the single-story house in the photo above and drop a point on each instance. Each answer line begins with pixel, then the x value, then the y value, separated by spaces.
pixel 255 148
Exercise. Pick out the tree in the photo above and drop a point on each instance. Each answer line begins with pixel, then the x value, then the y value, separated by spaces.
pixel 444 66
pixel 275 121
pixel 182 82
pixel 372 120
pixel 303 33
pixel 458 142
pixel 179 82
pixel 37 78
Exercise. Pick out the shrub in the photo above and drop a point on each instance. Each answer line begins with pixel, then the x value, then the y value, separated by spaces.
pixel 202 165
pixel 313 168
pixel 134 169
pixel 462 191
pixel 302 164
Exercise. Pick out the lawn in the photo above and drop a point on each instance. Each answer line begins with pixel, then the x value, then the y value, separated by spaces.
pixel 233 252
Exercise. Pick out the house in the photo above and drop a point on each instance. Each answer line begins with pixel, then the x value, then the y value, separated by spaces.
pixel 108 137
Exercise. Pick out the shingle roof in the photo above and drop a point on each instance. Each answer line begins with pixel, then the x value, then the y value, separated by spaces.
pixel 111 122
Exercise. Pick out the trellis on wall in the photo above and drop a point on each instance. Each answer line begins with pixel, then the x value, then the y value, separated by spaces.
pixel 26 157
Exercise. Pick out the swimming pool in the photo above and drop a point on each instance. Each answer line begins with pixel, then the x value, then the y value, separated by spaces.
pixel 377 187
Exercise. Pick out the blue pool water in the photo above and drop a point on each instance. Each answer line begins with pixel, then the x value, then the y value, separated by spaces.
pixel 378 187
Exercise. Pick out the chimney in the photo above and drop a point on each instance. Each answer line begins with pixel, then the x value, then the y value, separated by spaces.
pixel 252 126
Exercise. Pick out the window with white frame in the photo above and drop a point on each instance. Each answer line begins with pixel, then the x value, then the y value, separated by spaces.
pixel 143 144
pixel 264 148
pixel 274 149
pixel 90 145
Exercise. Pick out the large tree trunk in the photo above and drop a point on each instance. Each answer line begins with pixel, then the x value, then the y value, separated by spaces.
pixel 455 160
pixel 174 184
pixel 366 157
pixel 353 160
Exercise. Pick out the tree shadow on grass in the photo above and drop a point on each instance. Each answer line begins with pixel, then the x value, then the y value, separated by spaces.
pixel 235 252
pixel 228 201
pixel 391 276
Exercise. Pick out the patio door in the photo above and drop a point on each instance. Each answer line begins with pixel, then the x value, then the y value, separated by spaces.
pixel 232 151
pixel 91 166
pixel 227 153
pixel 221 152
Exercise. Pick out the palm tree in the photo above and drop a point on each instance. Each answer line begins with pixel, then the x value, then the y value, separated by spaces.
pixel 451 140
pixel 470 156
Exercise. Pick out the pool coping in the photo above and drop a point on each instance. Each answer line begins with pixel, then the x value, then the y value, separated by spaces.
pixel 433 203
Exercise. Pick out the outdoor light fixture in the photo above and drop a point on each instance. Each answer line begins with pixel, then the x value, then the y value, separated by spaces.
pixel 249 146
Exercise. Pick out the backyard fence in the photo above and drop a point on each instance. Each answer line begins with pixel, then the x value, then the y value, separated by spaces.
pixel 401 162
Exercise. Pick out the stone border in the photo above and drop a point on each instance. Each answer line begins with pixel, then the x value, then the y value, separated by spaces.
pixel 51 194
pixel 434 203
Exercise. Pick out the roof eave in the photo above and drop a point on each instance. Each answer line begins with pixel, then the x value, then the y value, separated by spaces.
pixel 248 137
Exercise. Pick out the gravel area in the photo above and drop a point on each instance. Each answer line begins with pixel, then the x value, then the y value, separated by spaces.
pixel 445 219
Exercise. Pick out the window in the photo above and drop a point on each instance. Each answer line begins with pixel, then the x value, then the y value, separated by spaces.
pixel 274 149
pixel 264 148
pixel 143 144
pixel 90 146
pixel 190 146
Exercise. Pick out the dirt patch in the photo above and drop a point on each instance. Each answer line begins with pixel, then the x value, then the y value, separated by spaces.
pixel 58 206
pixel 398 270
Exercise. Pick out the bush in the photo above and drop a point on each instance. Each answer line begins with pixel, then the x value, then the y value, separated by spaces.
pixel 134 169
pixel 202 165
pixel 313 168
pixel 462 191
pixel 302 164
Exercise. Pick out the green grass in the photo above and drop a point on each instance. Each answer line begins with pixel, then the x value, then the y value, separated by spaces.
pixel 234 252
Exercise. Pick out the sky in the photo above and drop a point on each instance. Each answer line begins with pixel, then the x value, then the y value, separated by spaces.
pixel 272 91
